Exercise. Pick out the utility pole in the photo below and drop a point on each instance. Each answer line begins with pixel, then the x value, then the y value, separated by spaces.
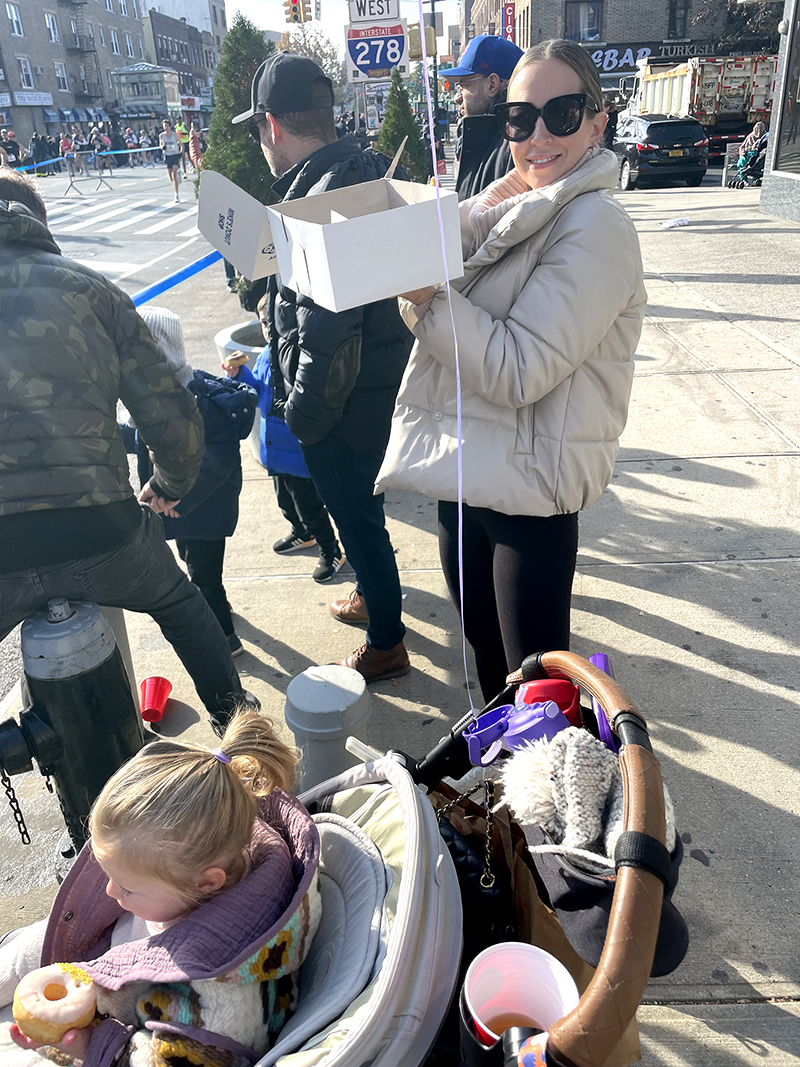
pixel 430 20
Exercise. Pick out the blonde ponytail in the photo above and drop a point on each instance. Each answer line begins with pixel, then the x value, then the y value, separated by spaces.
pixel 175 808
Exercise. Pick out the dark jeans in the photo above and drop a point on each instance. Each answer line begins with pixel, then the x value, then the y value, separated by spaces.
pixel 518 572
pixel 204 560
pixel 302 508
pixel 345 480
pixel 141 575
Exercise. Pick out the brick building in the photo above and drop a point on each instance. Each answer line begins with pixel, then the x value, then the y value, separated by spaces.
pixel 57 57
pixel 617 32
pixel 192 53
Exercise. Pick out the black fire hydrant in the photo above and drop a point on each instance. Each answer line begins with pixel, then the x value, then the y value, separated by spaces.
pixel 80 721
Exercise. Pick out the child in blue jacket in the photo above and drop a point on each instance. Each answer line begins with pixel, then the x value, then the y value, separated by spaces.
pixel 210 510
pixel 281 455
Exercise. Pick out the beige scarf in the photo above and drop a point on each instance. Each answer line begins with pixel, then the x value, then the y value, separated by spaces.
pixel 504 194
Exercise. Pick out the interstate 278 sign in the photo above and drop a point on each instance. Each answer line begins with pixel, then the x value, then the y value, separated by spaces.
pixel 373 51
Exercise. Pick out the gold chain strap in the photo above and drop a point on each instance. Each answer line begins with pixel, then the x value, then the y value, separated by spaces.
pixel 487 878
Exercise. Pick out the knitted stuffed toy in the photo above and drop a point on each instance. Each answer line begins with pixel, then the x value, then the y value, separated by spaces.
pixel 572 787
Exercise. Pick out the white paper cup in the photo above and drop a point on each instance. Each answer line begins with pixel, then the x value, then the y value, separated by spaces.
pixel 518 982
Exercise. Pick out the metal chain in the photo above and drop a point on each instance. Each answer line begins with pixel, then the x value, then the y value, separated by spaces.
pixel 487 878
pixel 16 811
pixel 441 812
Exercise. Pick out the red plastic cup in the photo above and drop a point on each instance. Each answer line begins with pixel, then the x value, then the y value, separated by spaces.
pixel 155 694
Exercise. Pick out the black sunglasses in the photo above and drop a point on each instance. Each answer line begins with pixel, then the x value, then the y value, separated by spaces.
pixel 562 116
pixel 253 127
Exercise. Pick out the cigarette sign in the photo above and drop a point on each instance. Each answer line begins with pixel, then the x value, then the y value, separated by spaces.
pixel 508 22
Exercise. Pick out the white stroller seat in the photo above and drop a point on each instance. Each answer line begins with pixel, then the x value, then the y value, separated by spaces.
pixel 343 953
pixel 395 1019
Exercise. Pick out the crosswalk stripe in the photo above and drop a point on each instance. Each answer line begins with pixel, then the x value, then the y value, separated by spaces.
pixel 58 217
pixel 137 219
pixel 181 217
pixel 94 219
pixel 188 233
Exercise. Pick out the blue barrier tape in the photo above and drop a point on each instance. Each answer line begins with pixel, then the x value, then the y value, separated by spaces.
pixel 42 162
pixel 171 280
pixel 63 159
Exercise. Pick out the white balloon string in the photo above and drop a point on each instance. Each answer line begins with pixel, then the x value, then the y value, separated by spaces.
pixel 460 477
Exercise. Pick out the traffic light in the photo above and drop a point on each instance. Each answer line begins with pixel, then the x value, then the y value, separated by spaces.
pixel 297 10
pixel 414 42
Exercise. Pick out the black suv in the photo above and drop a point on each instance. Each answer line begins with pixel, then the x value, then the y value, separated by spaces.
pixel 658 146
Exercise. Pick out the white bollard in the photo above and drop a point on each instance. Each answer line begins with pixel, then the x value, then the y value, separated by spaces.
pixel 324 705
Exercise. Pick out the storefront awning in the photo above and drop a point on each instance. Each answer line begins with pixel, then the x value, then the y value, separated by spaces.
pixel 92 113
pixel 80 112
pixel 50 115
pixel 103 114
pixel 66 114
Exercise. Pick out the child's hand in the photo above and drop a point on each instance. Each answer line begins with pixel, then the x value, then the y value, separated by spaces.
pixel 74 1042
pixel 232 364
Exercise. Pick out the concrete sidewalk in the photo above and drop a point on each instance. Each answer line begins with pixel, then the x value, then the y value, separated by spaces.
pixel 688 577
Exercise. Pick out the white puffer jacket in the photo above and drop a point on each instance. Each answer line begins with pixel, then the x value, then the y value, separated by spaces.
pixel 548 316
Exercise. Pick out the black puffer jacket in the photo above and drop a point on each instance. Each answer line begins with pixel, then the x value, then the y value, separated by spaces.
pixel 341 370
pixel 485 155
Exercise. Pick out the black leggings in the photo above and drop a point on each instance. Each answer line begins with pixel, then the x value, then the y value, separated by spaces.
pixel 518 572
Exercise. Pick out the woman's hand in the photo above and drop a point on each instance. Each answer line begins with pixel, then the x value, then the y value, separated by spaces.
pixel 231 369
pixel 420 296
pixel 74 1042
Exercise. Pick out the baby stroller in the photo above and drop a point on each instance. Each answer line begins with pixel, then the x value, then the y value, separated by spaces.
pixel 383 970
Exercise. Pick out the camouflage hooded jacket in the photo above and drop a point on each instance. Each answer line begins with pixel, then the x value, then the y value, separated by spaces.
pixel 71 344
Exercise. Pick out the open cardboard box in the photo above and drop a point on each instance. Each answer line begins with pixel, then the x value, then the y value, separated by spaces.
pixel 367 242
pixel 343 248
pixel 236 224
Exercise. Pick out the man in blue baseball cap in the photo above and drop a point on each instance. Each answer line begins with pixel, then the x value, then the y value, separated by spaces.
pixel 482 77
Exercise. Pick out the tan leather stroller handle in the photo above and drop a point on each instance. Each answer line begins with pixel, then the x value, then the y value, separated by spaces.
pixel 587 1036
pixel 612 696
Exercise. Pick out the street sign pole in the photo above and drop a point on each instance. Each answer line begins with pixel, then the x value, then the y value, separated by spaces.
pixel 432 22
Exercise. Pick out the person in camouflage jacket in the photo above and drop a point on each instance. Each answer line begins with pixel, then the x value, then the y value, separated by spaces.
pixel 71 345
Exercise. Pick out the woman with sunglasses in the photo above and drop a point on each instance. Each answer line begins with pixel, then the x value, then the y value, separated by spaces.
pixel 547 318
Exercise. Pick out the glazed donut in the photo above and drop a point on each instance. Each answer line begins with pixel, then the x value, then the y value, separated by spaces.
pixel 52 1000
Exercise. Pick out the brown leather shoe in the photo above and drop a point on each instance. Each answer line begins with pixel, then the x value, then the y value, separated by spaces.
pixel 374 665
pixel 352 611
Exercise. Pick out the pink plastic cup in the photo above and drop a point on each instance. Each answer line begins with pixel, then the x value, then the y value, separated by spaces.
pixel 515 984
pixel 155 694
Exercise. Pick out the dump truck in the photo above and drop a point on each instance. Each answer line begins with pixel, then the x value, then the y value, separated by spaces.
pixel 726 94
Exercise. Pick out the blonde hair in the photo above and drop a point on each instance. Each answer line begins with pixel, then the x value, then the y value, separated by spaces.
pixel 175 809
pixel 573 56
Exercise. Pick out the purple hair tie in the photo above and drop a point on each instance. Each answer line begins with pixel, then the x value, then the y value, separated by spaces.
pixel 217 753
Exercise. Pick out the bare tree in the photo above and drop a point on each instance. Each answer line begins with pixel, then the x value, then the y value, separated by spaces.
pixel 307 40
